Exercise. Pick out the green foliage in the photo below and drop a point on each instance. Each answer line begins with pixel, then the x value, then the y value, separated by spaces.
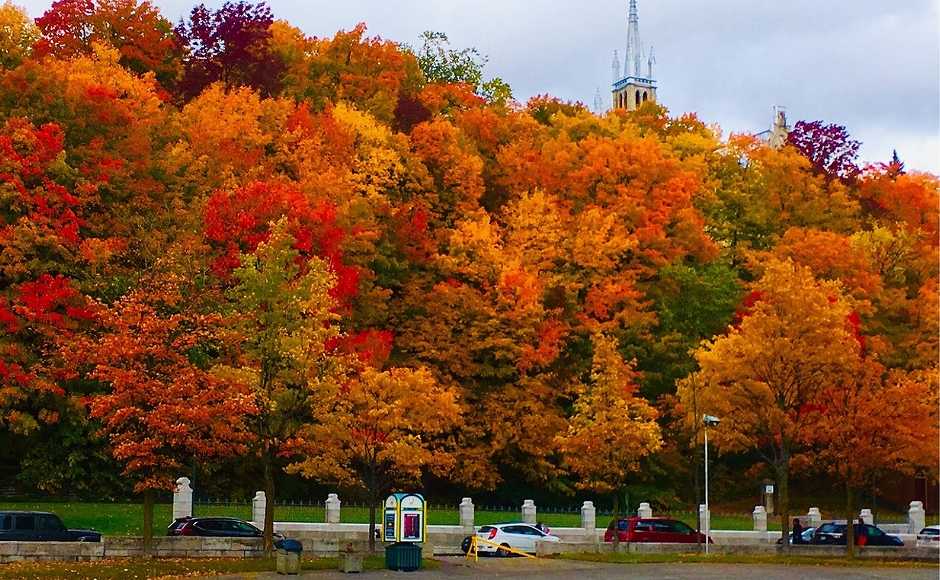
pixel 442 64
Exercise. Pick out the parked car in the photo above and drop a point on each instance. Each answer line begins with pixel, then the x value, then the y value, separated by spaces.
pixel 215 526
pixel 516 535
pixel 806 534
pixel 23 526
pixel 929 537
pixel 834 533
pixel 666 530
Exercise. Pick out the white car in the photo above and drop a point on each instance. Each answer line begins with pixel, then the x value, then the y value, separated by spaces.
pixel 929 537
pixel 516 535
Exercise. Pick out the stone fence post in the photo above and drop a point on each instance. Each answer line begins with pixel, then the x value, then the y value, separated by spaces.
pixel 466 513
pixel 866 516
pixel 644 511
pixel 182 499
pixel 588 516
pixel 916 517
pixel 258 505
pixel 760 518
pixel 332 505
pixel 813 518
pixel 528 511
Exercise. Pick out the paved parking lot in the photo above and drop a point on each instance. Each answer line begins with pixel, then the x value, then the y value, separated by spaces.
pixel 544 569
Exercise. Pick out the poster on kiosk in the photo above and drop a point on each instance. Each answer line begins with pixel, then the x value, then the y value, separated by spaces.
pixel 404 518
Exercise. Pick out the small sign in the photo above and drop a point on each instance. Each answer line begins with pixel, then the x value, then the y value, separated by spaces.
pixel 768 489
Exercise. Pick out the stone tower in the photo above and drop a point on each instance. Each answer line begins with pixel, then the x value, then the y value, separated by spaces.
pixel 635 86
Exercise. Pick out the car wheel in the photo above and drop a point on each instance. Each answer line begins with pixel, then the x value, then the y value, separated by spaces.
pixel 466 544
pixel 502 552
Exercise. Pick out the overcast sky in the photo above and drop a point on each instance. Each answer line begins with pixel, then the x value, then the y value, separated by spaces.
pixel 870 65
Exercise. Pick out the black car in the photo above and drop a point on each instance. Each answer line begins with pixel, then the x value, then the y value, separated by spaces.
pixel 23 526
pixel 214 526
pixel 833 533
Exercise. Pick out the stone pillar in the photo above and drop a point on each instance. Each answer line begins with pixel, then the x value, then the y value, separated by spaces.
pixel 332 508
pixel 466 513
pixel 588 516
pixel 644 511
pixel 704 516
pixel 916 517
pixel 528 511
pixel 258 504
pixel 867 516
pixel 813 518
pixel 760 518
pixel 182 499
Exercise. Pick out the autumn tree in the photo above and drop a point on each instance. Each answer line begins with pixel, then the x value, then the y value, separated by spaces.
pixel 382 429
pixel 871 422
pixel 611 428
pixel 828 147
pixel 230 45
pixel 145 39
pixel 283 314
pixel 163 407
pixel 794 339
pixel 18 35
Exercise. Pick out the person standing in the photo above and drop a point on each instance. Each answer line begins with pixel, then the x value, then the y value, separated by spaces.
pixel 797 531
pixel 861 533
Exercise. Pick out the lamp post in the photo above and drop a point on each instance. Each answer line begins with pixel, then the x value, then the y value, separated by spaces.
pixel 712 421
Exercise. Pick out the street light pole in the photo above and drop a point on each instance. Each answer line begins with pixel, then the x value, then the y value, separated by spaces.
pixel 708 420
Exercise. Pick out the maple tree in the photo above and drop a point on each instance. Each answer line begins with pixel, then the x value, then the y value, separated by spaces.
pixel 828 147
pixel 872 422
pixel 283 315
pixel 145 39
pixel 382 429
pixel 163 406
pixel 611 428
pixel 18 35
pixel 794 340
pixel 229 45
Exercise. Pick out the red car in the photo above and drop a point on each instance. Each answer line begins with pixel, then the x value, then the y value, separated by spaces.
pixel 654 530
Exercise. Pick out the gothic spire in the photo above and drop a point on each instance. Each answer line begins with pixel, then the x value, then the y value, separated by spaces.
pixel 632 64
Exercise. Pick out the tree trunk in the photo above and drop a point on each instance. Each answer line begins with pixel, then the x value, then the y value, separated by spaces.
pixel 616 520
pixel 783 490
pixel 148 523
pixel 849 523
pixel 268 461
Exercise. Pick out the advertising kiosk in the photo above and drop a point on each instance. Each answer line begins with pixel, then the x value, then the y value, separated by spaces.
pixel 405 524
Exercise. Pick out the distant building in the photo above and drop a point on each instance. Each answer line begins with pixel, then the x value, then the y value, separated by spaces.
pixel 776 136
pixel 633 87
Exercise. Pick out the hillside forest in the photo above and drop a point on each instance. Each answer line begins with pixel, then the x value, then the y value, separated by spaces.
pixel 227 245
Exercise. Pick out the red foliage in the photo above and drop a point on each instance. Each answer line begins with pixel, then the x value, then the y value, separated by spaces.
pixel 240 220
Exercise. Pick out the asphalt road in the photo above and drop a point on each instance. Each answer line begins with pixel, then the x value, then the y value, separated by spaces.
pixel 551 569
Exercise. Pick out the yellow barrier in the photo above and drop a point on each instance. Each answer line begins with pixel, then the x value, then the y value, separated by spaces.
pixel 473 548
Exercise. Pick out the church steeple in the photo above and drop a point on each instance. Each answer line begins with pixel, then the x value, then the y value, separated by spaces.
pixel 634 87
pixel 633 43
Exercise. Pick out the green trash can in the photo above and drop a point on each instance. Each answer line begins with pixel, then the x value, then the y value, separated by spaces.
pixel 403 556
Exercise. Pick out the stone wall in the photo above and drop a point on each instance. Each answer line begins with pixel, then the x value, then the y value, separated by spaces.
pixel 329 539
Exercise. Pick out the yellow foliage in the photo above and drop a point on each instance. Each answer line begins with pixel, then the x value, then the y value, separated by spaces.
pixel 611 428
pixel 18 34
